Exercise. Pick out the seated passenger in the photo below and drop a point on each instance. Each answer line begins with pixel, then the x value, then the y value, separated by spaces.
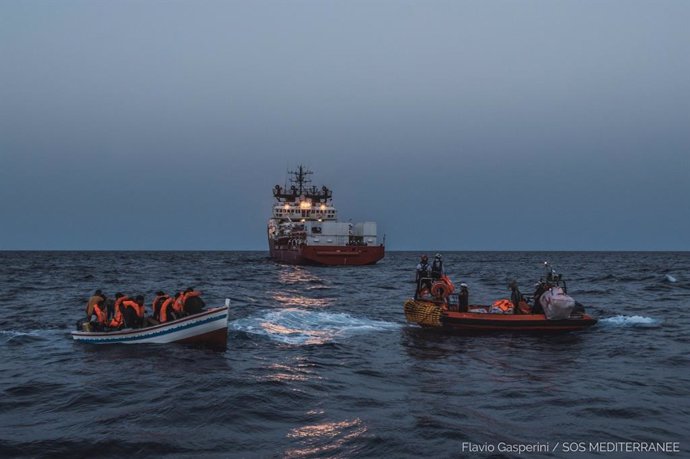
pixel 165 312
pixel 157 303
pixel 178 305
pixel 94 299
pixel 99 316
pixel 133 312
pixel 192 302
pixel 118 320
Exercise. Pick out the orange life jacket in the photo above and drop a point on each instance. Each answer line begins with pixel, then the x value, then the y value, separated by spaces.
pixel 139 309
pixel 503 305
pixel 188 295
pixel 163 313
pixel 118 319
pixel 178 303
pixel 89 304
pixel 101 316
pixel 157 303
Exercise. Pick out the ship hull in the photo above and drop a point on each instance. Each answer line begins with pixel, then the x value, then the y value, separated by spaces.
pixel 326 255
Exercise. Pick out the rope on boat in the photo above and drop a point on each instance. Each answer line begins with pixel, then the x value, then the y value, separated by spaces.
pixel 423 313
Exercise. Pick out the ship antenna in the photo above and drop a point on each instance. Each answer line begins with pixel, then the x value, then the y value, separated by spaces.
pixel 301 179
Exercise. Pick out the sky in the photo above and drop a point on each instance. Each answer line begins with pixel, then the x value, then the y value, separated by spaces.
pixel 455 125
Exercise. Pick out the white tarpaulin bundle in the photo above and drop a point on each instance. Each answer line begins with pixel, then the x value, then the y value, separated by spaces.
pixel 557 305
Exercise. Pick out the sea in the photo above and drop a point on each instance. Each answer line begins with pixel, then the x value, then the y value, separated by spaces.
pixel 320 361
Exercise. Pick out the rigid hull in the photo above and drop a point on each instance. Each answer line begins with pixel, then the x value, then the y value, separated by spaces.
pixel 430 314
pixel 327 255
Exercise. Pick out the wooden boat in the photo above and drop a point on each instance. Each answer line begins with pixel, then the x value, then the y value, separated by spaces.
pixel 478 319
pixel 209 327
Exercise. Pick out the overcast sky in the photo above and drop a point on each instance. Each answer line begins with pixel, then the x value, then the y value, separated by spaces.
pixel 488 125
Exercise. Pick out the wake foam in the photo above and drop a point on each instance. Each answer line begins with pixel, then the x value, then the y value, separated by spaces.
pixel 297 326
pixel 669 278
pixel 630 321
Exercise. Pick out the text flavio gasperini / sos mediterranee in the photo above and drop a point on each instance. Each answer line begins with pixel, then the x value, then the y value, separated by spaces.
pixel 573 447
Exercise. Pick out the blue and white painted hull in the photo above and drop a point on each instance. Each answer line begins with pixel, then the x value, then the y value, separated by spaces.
pixel 208 328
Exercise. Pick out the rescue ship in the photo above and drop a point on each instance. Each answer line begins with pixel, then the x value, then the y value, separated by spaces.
pixel 304 228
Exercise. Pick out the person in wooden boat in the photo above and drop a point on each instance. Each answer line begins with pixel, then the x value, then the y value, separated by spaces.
pixel 192 302
pixel 165 312
pixel 157 302
pixel 422 279
pixel 97 297
pixel 99 316
pixel 118 319
pixel 178 305
pixel 133 312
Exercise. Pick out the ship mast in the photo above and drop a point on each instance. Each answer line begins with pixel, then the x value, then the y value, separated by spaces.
pixel 300 189
pixel 301 178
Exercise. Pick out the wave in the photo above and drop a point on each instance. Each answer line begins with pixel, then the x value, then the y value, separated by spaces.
pixel 16 336
pixel 297 326
pixel 630 321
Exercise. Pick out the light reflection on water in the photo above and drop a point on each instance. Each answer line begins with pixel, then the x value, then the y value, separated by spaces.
pixel 297 275
pixel 296 372
pixel 298 300
pixel 325 438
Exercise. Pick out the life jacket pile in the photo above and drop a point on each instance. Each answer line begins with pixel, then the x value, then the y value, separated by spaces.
pixel 502 307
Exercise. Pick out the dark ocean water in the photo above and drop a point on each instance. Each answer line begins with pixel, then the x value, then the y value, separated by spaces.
pixel 320 361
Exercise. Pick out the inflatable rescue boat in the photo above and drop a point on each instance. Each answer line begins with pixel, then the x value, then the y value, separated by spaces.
pixel 428 313
pixel 551 308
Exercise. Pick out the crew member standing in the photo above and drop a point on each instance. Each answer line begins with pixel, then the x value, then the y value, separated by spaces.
pixel 437 267
pixel 422 279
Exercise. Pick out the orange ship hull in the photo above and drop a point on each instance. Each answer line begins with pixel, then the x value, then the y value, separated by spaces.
pixel 326 255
